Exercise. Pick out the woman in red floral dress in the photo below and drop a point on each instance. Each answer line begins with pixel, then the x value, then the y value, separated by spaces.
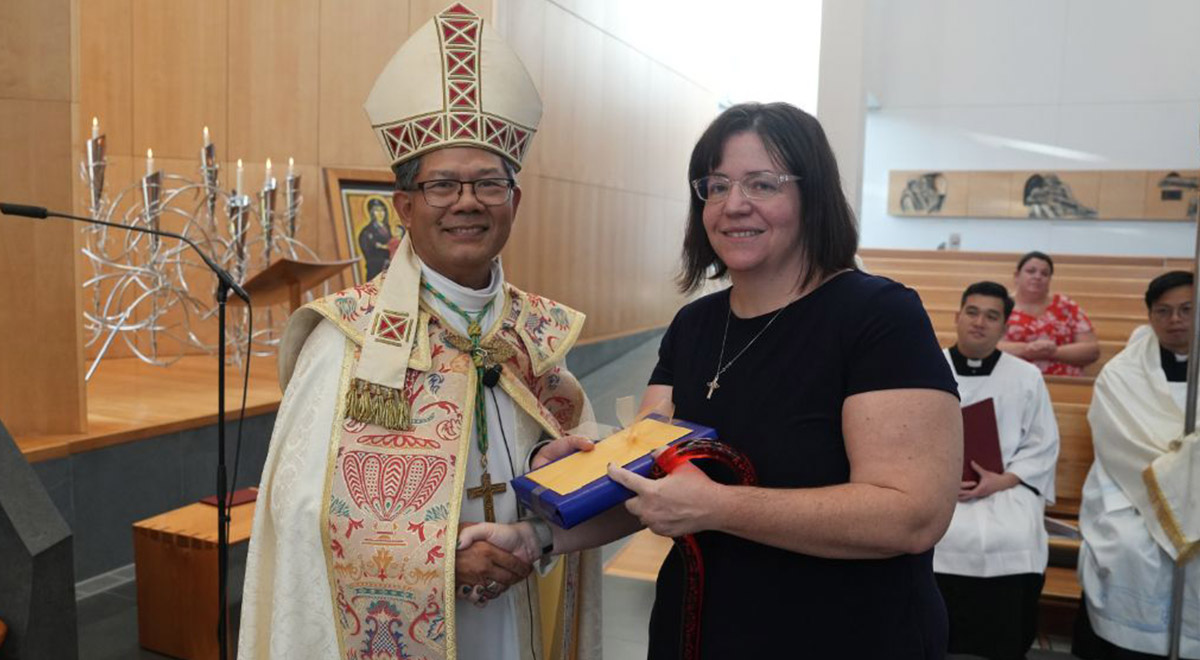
pixel 1049 330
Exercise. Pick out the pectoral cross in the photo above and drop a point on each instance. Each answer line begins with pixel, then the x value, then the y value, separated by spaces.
pixel 712 386
pixel 486 489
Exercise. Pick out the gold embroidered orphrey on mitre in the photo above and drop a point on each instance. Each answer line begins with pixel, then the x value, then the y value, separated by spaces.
pixel 394 483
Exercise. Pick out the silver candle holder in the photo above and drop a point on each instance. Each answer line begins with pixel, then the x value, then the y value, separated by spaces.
pixel 95 166
pixel 152 208
pixel 291 200
pixel 210 171
pixel 266 216
pixel 238 209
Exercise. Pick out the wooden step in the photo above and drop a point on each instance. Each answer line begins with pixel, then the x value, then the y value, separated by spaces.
pixel 640 557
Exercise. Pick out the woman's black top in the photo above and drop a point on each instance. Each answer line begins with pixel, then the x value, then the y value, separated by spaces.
pixel 781 405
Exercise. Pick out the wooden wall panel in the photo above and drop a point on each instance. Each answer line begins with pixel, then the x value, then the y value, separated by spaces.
pixel 35 50
pixel 273 94
pixel 41 387
pixel 106 73
pixel 180 81
pixel 372 33
pixel 605 182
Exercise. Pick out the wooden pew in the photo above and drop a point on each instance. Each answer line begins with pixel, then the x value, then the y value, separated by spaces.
pixel 1071 286
pixel 1108 328
pixel 1166 263
pixel 1121 305
pixel 946 338
pixel 1070 389
pixel 1002 272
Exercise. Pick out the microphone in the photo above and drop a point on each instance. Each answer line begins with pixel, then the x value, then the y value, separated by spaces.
pixel 40 212
pixel 491 375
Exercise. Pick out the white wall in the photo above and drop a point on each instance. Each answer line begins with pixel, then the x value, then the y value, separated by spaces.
pixel 1030 84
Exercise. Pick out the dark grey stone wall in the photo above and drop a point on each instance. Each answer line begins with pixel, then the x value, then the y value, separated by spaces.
pixel 101 493
pixel 37 585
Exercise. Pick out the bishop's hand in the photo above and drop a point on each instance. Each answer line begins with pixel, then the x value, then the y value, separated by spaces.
pixel 678 504
pixel 482 569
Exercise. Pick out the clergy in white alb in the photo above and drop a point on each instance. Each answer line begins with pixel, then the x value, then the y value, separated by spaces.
pixel 1140 512
pixel 413 399
pixel 991 562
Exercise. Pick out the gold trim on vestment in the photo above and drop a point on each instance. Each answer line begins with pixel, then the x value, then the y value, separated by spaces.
pixel 335 441
pixel 1185 550
pixel 460 477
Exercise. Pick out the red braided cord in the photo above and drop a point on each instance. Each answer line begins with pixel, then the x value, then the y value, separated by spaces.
pixel 693 595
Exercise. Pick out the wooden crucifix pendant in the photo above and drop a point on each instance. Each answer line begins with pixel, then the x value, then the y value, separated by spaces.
pixel 486 489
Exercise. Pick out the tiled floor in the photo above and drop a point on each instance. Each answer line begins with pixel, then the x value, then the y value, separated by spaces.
pixel 108 605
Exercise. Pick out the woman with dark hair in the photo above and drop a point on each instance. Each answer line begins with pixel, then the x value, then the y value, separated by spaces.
pixel 1049 330
pixel 832 383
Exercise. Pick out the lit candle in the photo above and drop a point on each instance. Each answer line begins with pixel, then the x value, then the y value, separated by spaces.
pixel 149 162
pixel 291 166
pixel 95 128
pixel 239 176
pixel 206 140
pixel 267 175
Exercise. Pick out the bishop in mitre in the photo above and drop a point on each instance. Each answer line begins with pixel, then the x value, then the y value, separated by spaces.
pixel 410 401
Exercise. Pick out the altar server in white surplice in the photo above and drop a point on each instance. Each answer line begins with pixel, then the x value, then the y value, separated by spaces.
pixel 1140 511
pixel 991 563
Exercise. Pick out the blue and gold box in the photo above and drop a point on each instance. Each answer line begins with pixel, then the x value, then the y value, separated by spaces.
pixel 576 488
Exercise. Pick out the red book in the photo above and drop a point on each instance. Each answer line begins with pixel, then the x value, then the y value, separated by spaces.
pixel 981 439
pixel 239 497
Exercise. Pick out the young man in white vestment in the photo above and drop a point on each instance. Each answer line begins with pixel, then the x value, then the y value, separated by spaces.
pixel 1140 511
pixel 991 563
pixel 411 400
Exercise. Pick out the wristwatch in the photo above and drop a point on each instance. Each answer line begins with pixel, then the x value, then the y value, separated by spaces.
pixel 543 534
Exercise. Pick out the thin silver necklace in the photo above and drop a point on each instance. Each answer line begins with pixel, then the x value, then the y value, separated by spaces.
pixel 713 384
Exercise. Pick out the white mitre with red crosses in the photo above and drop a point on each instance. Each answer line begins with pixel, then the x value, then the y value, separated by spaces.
pixel 454 83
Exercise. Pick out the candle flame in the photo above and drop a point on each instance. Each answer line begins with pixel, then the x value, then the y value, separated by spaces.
pixel 95 122
pixel 149 153
pixel 268 163
pixel 291 162
pixel 239 163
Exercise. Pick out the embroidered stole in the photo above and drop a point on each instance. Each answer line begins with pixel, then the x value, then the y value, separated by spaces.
pixel 394 495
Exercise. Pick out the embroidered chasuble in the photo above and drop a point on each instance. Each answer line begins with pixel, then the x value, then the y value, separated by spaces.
pixel 353 543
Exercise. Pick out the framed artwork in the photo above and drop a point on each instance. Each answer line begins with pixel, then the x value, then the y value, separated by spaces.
pixel 366 224
pixel 1170 195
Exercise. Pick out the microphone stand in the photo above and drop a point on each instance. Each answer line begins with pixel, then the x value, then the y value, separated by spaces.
pixel 225 284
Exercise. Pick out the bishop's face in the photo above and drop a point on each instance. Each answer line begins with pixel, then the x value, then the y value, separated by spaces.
pixel 980 325
pixel 460 240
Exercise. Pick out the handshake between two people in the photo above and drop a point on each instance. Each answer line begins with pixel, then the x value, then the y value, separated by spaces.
pixel 491 558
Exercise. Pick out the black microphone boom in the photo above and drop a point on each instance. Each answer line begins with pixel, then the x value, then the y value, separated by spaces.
pixel 40 212
pixel 225 284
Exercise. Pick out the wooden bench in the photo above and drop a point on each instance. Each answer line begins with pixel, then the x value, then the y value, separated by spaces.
pixel 1002 272
pixel 1108 349
pixel 1069 285
pixel 1010 258
pixel 1093 304
pixel 175 558
pixel 1108 328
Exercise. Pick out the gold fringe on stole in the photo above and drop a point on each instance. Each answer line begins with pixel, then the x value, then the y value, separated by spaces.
pixel 384 406
pixel 1166 517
